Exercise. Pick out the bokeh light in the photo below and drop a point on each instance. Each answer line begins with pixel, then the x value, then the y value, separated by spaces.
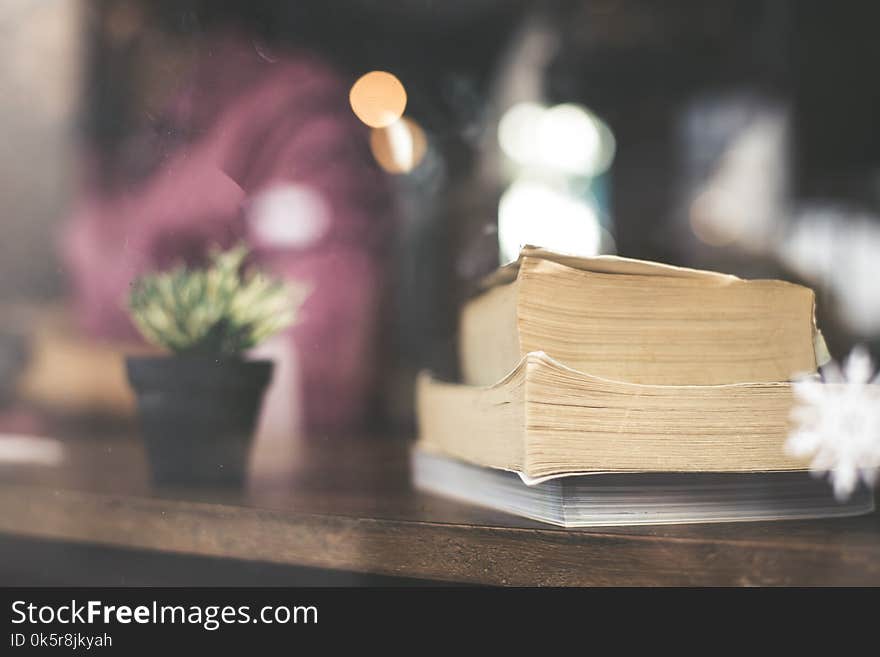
pixel 399 147
pixel 378 99
pixel 517 132
pixel 716 217
pixel 288 216
pixel 567 138
pixel 532 212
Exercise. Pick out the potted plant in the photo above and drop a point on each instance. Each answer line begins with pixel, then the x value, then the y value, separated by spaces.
pixel 199 406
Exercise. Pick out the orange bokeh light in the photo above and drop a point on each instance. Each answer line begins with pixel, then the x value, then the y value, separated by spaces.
pixel 378 99
pixel 400 147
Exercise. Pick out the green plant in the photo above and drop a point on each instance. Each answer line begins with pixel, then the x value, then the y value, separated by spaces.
pixel 223 308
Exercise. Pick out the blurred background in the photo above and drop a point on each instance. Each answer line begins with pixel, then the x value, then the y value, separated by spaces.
pixel 739 135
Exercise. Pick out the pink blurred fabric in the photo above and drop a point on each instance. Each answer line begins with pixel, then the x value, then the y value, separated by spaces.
pixel 251 125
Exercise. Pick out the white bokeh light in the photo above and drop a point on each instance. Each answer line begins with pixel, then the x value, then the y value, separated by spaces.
pixel 517 132
pixel 535 213
pixel 566 138
pixel 288 215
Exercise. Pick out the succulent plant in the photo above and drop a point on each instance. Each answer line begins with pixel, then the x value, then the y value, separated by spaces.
pixel 223 308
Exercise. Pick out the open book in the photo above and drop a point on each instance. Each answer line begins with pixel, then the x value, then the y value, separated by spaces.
pixel 637 321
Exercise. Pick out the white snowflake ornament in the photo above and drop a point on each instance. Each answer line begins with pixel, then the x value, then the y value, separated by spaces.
pixel 837 423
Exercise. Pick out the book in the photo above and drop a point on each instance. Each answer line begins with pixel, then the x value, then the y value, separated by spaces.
pixel 608 391
pixel 637 321
pixel 545 418
pixel 638 499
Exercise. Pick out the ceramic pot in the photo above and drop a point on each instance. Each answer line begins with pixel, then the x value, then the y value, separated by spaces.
pixel 198 415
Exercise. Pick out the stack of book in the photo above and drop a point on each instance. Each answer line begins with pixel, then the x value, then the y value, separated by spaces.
pixel 609 391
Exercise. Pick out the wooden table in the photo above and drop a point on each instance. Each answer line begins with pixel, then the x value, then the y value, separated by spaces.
pixel 348 505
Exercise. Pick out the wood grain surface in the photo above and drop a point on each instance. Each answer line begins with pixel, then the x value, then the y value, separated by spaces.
pixel 347 504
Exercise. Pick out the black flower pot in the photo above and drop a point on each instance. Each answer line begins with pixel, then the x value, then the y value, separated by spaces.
pixel 198 416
